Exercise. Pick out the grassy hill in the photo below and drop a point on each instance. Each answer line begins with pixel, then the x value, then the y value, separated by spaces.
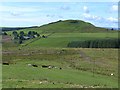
pixel 69 26
pixel 61 33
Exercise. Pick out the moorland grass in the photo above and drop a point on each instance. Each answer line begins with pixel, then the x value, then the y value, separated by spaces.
pixel 77 70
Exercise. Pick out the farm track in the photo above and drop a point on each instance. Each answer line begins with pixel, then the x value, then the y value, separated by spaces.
pixel 86 57
pixel 31 42
pixel 50 34
pixel 89 59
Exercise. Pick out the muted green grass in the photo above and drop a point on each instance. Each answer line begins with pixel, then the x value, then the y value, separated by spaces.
pixel 77 71
pixel 101 35
pixel 62 39
pixel 23 72
pixel 80 67
pixel 66 27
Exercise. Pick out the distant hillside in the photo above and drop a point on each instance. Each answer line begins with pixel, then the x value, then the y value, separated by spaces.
pixel 71 26
pixel 66 26
pixel 15 28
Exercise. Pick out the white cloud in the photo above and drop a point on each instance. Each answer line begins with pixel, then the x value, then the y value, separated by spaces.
pixel 54 16
pixel 111 19
pixel 114 8
pixel 86 10
pixel 101 21
pixel 91 17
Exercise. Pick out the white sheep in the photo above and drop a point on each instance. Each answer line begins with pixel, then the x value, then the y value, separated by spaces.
pixel 29 64
pixel 111 74
pixel 49 67
pixel 40 82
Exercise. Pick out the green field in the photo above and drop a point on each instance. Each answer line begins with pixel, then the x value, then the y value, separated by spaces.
pixel 62 39
pixel 78 64
pixel 80 67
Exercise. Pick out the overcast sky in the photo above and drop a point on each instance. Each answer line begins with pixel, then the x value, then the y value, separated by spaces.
pixel 102 14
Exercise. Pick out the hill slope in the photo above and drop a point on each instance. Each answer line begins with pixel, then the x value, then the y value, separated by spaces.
pixel 70 26
pixel 66 26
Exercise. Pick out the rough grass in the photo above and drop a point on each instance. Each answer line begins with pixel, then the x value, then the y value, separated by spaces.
pixel 80 67
pixel 77 69
pixel 22 72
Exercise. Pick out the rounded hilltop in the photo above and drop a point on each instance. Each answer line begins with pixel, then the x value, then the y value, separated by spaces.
pixel 67 26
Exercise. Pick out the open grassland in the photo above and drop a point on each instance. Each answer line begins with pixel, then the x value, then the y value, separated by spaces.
pixel 62 39
pixel 80 68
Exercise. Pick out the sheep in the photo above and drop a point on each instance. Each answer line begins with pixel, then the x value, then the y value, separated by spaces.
pixel 40 82
pixel 5 63
pixel 60 68
pixel 29 64
pixel 49 67
pixel 34 65
pixel 55 67
pixel 111 74
pixel 44 66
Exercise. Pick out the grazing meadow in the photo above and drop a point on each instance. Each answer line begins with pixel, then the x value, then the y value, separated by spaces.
pixel 48 62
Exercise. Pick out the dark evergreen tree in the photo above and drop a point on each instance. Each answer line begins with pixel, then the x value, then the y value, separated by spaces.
pixel 99 43
pixel 15 34
pixel 21 33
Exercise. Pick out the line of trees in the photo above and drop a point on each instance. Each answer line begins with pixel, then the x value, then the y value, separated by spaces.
pixel 21 35
pixel 99 43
